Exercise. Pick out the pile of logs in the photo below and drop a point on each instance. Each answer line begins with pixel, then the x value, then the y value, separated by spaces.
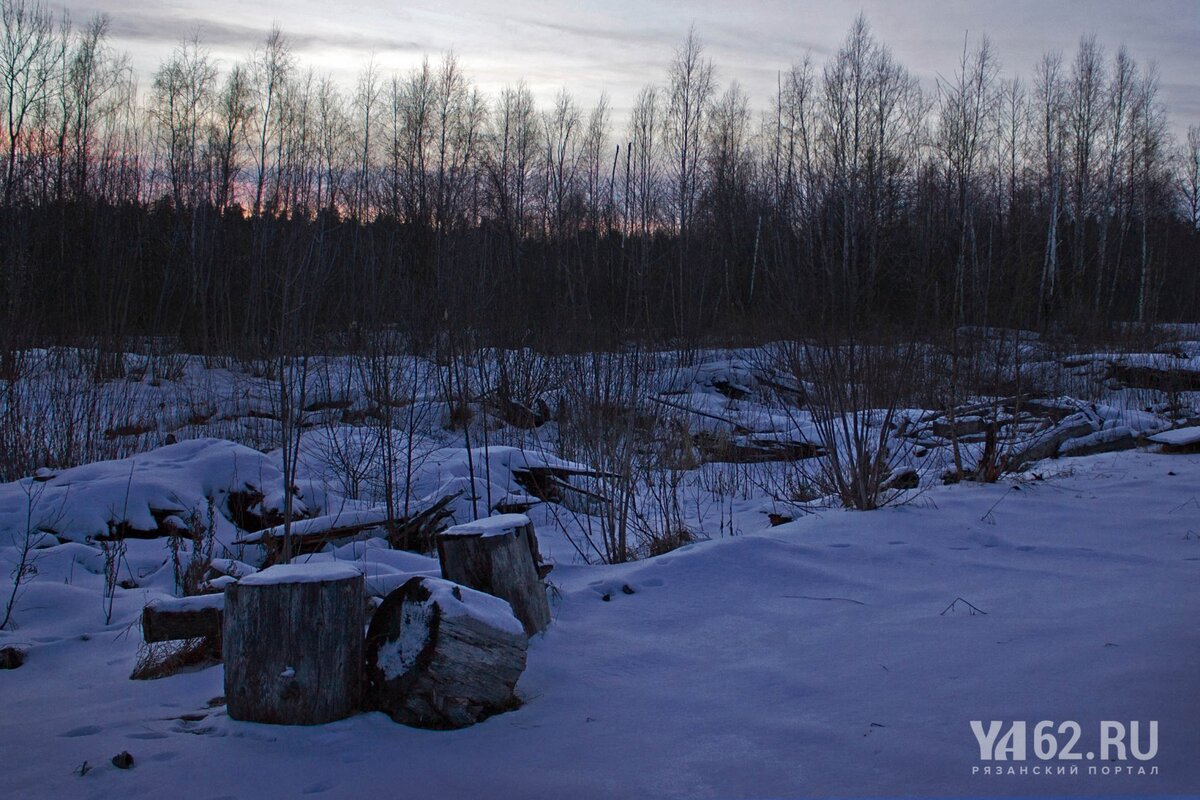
pixel 440 652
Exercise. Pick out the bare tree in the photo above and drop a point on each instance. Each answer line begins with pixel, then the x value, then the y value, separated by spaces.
pixel 182 98
pixel 28 36
pixel 271 66
pixel 1189 175
pixel 1051 99
pixel 690 88
pixel 232 115
pixel 966 105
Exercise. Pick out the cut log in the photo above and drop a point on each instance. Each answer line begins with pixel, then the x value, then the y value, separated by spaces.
pixel 498 555
pixel 442 656
pixel 293 644
pixel 415 532
pixel 752 449
pixel 1163 377
pixel 1045 444
pixel 1179 440
pixel 1109 440
pixel 311 535
pixel 183 618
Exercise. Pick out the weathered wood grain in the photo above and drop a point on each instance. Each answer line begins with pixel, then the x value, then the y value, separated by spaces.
pixel 293 651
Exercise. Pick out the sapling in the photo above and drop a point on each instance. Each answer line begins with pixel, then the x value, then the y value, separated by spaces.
pixel 26 567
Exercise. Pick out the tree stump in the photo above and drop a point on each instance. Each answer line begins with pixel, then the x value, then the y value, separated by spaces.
pixel 292 644
pixel 443 656
pixel 498 555
pixel 168 619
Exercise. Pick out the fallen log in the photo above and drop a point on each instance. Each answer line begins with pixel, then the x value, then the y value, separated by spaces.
pixel 1165 378
pixel 418 531
pixel 439 655
pixel 1179 440
pixel 415 532
pixel 1046 444
pixel 168 619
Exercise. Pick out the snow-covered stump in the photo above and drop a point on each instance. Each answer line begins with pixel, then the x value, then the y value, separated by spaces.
pixel 292 644
pixel 169 619
pixel 498 555
pixel 443 656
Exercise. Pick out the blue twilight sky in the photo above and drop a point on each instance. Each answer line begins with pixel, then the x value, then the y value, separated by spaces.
pixel 619 45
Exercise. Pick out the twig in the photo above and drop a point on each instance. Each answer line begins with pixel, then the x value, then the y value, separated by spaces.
pixel 810 597
pixel 974 609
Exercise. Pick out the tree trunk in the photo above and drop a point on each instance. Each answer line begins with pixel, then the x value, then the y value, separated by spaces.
pixel 439 655
pixel 498 555
pixel 293 644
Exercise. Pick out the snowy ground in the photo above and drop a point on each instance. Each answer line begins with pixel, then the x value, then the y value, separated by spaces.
pixel 807 659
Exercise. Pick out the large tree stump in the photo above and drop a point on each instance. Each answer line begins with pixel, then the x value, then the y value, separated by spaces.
pixel 292 644
pixel 498 555
pixel 442 656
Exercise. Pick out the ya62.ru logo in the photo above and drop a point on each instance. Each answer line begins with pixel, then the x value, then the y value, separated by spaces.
pixel 1062 741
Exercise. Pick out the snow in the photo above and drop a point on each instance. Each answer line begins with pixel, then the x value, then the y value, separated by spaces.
pixel 348 518
pixel 497 525
pixel 453 602
pixel 318 572
pixel 1093 440
pixel 457 601
pixel 1177 437
pixel 197 602
pixel 806 659
pixel 398 656
pixel 88 501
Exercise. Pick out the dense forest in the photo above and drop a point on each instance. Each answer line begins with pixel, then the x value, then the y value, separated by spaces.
pixel 260 206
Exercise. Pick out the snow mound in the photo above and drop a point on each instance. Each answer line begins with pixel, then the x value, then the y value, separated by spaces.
pixel 147 494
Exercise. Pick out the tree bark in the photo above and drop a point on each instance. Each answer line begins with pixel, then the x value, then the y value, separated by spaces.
pixel 293 644
pixel 442 656
pixel 183 618
pixel 498 555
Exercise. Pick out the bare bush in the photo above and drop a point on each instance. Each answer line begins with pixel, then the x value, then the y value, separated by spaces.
pixel 856 391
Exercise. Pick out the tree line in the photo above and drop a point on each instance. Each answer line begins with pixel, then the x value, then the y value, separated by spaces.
pixel 261 206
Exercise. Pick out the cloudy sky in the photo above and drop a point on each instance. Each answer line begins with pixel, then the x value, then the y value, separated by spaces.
pixel 619 45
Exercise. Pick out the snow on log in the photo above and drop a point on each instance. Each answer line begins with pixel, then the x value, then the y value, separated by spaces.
pixel 1046 444
pixel 168 619
pixel 311 535
pixel 498 555
pixel 1180 440
pixel 442 656
pixel 1108 440
pixel 293 644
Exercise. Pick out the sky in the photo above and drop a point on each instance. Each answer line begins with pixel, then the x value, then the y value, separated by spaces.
pixel 617 46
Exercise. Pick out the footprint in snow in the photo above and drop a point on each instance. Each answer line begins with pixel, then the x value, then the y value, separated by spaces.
pixel 86 730
pixel 317 788
pixel 840 544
